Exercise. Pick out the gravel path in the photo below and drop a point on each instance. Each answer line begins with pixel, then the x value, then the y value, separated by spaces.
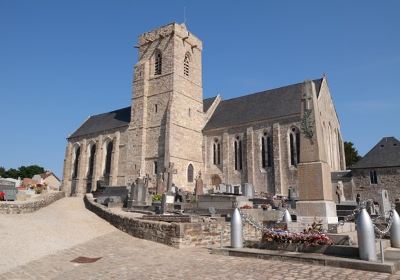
pixel 59 226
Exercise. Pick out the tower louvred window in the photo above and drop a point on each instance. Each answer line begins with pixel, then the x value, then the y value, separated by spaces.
pixel 158 63
pixel 186 65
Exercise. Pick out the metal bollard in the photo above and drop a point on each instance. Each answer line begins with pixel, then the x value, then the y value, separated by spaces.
pixel 287 218
pixel 236 230
pixel 366 236
pixel 395 230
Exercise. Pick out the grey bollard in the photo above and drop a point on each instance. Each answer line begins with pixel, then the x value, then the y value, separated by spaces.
pixel 395 230
pixel 236 230
pixel 366 237
pixel 287 218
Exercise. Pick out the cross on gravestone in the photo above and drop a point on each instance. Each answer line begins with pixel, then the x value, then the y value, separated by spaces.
pixel 160 185
pixel 170 171
pixel 199 185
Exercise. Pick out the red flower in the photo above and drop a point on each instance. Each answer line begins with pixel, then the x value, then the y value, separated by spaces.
pixel 2 194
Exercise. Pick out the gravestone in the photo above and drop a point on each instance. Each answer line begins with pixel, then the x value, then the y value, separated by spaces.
pixel 229 189
pixel 237 190
pixel 170 172
pixel 118 194
pixel 198 190
pixel 10 192
pixel 221 188
pixel 139 193
pixel 384 203
pixel 167 202
pixel 248 190
pixel 160 185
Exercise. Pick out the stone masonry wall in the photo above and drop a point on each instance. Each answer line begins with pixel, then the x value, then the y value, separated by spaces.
pixel 388 179
pixel 179 235
pixel 22 207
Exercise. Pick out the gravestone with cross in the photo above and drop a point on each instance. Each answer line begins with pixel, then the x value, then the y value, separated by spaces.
pixel 170 172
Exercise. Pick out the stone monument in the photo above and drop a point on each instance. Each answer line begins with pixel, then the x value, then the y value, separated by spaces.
pixel 198 190
pixel 314 173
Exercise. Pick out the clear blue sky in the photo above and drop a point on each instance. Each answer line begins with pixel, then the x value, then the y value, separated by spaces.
pixel 61 61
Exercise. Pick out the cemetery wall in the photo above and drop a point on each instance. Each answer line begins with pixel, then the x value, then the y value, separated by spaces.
pixel 179 235
pixel 388 179
pixel 22 207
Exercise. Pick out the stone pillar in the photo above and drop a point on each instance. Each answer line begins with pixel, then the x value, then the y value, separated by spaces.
pixel 66 184
pixel 97 173
pixel 250 155
pixel 115 159
pixel 276 143
pixel 81 185
pixel 225 157
pixel 314 173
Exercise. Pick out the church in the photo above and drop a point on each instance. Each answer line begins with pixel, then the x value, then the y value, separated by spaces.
pixel 256 138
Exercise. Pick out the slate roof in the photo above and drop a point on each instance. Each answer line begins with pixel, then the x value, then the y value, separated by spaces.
pixel 207 103
pixel 384 154
pixel 267 104
pixel 103 122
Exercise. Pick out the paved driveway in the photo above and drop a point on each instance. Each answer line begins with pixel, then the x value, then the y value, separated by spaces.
pixel 54 236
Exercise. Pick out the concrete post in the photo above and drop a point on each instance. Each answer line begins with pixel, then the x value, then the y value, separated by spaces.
pixel 366 236
pixel 236 230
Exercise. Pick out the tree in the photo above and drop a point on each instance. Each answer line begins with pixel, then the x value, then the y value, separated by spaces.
pixel 351 153
pixel 22 172
pixel 2 171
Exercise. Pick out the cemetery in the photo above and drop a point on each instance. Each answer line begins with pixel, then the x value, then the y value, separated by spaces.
pixel 236 221
pixel 18 200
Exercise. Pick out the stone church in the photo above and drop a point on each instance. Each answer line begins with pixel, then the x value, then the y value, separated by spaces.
pixel 256 138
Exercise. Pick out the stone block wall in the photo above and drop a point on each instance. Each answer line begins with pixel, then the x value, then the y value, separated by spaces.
pixel 388 179
pixel 204 233
pixel 22 207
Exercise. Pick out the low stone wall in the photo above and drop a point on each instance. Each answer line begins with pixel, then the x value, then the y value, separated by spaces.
pixel 22 207
pixel 205 233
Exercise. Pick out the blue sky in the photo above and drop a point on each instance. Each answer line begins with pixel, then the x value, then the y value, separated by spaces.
pixel 61 61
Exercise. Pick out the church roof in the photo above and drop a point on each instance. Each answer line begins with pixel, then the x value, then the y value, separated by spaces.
pixel 263 105
pixel 384 154
pixel 207 103
pixel 103 122
pixel 273 103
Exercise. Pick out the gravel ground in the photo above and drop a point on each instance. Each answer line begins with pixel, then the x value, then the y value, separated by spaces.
pixel 59 226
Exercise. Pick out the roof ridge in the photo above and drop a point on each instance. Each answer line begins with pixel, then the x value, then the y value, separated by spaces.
pixel 272 90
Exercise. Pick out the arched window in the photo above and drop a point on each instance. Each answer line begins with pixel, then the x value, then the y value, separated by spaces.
pixel 157 63
pixel 190 173
pixel 294 145
pixel 109 151
pixel 186 62
pixel 238 154
pixel 216 152
pixel 76 163
pixel 92 157
pixel 266 151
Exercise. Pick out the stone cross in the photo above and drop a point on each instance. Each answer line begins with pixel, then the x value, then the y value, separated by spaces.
pixel 170 171
pixel 160 186
pixel 199 185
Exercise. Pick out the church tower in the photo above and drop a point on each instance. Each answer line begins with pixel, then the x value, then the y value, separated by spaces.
pixel 167 106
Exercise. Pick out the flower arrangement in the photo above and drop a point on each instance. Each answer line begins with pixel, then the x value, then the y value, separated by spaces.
pixel 156 197
pixel 2 195
pixel 313 236
pixel 246 207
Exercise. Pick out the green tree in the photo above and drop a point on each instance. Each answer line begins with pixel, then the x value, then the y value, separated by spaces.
pixel 23 172
pixel 11 173
pixel 2 171
pixel 351 154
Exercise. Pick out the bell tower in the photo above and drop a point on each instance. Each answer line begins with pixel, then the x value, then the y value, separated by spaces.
pixel 167 105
